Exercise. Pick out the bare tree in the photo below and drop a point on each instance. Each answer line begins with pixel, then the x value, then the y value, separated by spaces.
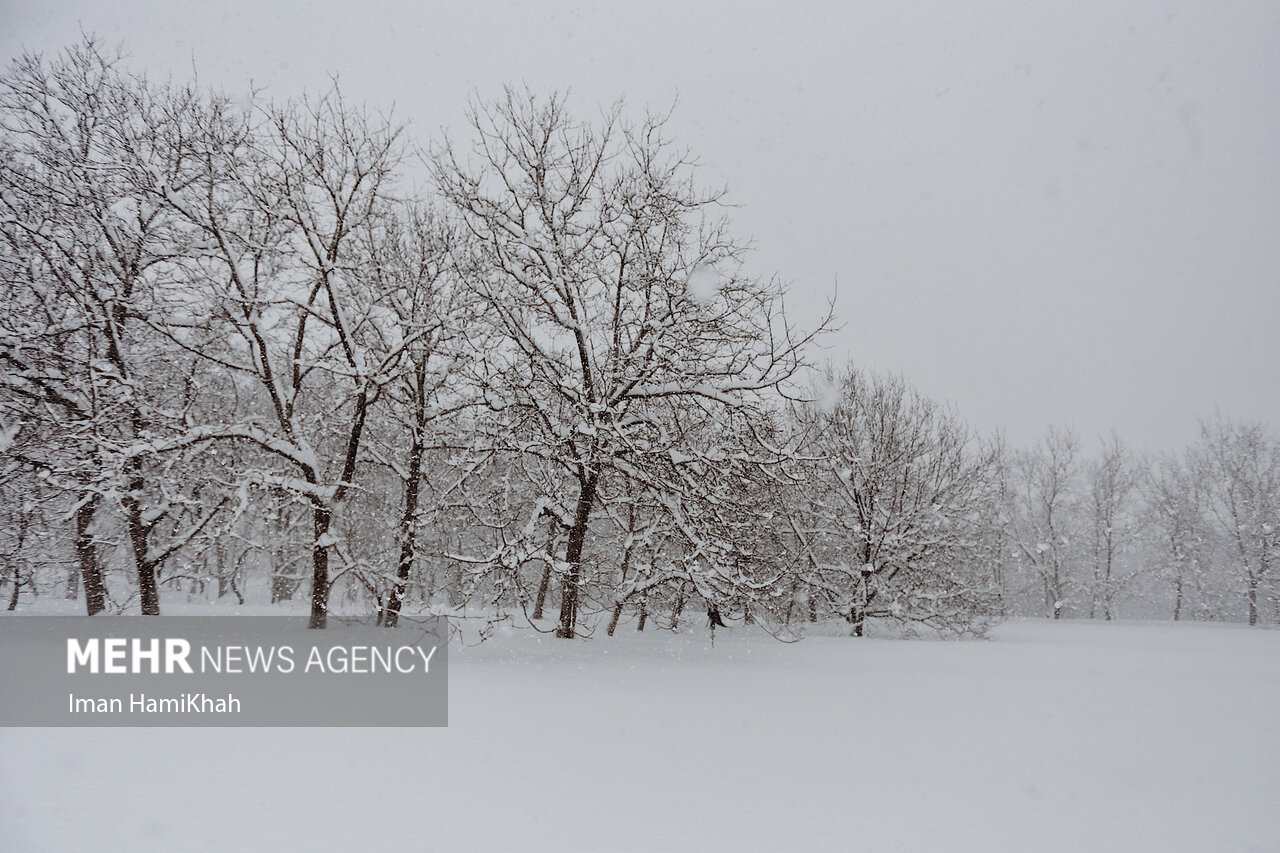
pixel 280 299
pixel 617 299
pixel 436 323
pixel 897 525
pixel 1176 504
pixel 1113 479
pixel 1242 464
pixel 1045 516
pixel 88 257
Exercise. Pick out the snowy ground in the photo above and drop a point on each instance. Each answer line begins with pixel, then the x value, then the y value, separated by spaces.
pixel 1068 737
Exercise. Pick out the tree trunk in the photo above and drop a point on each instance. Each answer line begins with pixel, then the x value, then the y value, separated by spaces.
pixel 322 513
pixel 147 587
pixel 1177 602
pixel 626 567
pixel 90 572
pixel 220 569
pixel 282 588
pixel 24 521
pixel 543 585
pixel 1106 590
pixel 408 520
pixel 569 589
pixel 617 614
pixel 856 618
pixel 791 602
pixel 678 608
pixel 134 483
pixel 1056 593
pixel 1095 588
pixel 17 585
pixel 1253 600
pixel 644 616
pixel 321 516
pixel 235 573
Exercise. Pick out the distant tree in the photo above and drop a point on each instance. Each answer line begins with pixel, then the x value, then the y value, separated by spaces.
pixel 1112 480
pixel 1176 504
pixel 1242 465
pixel 1045 516
pixel 900 507
pixel 720 534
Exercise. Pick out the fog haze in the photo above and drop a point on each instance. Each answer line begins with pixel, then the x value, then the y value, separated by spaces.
pixel 1042 214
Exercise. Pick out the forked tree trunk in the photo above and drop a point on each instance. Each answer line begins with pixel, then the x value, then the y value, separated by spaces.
pixel 322 514
pixel 569 589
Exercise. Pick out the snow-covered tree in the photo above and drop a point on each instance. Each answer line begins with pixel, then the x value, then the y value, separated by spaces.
pixel 1181 544
pixel 618 301
pixel 1113 480
pixel 282 304
pixel 87 257
pixel 438 327
pixel 1045 517
pixel 900 503
pixel 1241 463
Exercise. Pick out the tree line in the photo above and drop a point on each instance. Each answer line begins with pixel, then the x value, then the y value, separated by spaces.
pixel 274 350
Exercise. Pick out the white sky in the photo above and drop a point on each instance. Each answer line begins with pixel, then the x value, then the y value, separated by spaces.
pixel 1045 213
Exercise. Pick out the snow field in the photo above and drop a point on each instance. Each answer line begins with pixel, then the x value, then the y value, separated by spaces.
pixel 1049 737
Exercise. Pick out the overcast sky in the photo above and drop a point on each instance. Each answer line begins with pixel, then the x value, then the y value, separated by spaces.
pixel 1044 213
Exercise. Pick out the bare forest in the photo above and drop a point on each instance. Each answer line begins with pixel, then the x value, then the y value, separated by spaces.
pixel 266 351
